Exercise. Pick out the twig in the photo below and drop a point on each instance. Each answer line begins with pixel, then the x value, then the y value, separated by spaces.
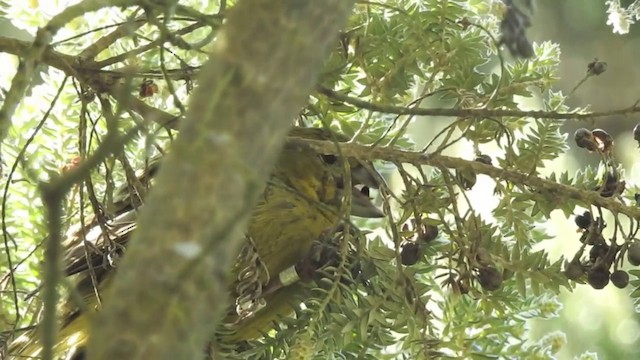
pixel 34 55
pixel 144 48
pixel 470 113
pixel 19 158
pixel 130 26
pixel 53 195
pixel 561 191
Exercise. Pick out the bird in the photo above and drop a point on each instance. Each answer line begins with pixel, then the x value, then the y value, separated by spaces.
pixel 301 204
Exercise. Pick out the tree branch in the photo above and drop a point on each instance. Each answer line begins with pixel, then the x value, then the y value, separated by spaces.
pixel 268 56
pixel 470 113
pixel 561 191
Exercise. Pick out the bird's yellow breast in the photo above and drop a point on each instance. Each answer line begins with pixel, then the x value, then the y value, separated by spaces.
pixel 283 240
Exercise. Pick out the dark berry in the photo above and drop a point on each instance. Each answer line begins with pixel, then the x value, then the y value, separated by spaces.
pixel 584 221
pixel 490 278
pixel 610 186
pixel 598 277
pixel 573 270
pixel 598 251
pixel 633 253
pixel 584 139
pixel 466 178
pixel 485 159
pixel 409 253
pixel 620 279
pixel 430 233
pixel 636 133
pixel 596 67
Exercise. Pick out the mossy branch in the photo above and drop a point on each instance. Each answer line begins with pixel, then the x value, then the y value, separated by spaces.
pixel 268 56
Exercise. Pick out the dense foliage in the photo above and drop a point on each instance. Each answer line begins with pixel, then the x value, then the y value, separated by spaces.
pixel 454 270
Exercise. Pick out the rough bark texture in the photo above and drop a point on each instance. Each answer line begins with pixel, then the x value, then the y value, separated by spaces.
pixel 169 294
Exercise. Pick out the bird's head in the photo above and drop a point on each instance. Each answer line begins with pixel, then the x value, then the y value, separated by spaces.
pixel 322 177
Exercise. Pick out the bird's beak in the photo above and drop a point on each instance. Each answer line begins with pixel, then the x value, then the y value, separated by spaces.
pixel 360 174
pixel 361 204
pixel 363 178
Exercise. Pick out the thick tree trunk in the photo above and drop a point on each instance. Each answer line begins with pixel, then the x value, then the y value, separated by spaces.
pixel 170 294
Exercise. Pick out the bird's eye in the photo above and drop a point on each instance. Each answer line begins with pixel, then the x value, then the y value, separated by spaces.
pixel 329 159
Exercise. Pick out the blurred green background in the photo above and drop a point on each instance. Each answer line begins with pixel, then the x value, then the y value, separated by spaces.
pixel 602 321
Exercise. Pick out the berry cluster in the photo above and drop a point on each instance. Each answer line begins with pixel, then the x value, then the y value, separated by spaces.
pixel 602 265
pixel 602 257
pixel 480 267
pixel 596 140
pixel 412 247
pixel 488 276
pixel 599 141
